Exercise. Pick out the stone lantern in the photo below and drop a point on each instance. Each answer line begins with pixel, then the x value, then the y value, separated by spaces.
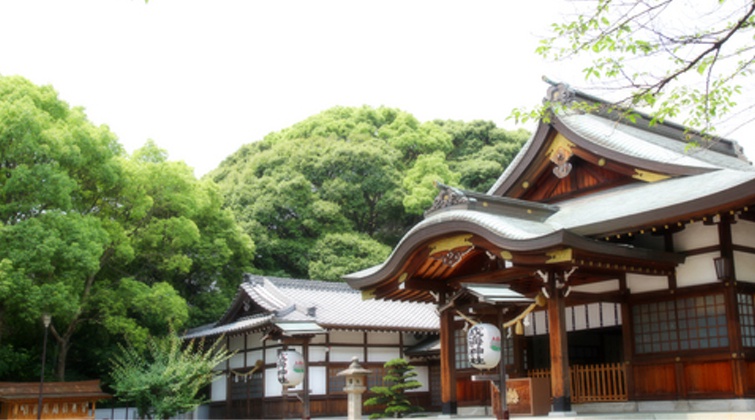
pixel 355 377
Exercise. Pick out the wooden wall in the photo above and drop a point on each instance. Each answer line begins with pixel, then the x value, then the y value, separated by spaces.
pixel 291 407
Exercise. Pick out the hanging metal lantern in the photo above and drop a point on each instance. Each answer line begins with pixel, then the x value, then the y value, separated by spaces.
pixel 484 346
pixel 290 368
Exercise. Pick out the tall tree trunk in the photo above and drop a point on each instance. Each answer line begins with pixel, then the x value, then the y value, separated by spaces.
pixel 60 366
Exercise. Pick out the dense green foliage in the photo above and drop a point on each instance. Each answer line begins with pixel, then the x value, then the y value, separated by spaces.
pixel 397 380
pixel 335 192
pixel 165 379
pixel 114 247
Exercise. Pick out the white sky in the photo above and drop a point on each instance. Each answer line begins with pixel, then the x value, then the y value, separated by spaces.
pixel 202 78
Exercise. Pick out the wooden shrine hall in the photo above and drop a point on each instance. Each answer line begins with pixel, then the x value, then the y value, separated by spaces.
pixel 640 248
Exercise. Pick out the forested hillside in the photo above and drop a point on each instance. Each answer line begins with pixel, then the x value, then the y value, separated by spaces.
pixel 332 194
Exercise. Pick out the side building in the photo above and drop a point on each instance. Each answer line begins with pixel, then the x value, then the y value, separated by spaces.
pixel 328 323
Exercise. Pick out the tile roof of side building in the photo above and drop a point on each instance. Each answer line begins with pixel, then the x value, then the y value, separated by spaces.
pixel 332 305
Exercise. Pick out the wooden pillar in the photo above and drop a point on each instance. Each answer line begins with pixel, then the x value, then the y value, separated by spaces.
pixel 559 348
pixel 738 366
pixel 305 414
pixel 501 408
pixel 627 336
pixel 447 361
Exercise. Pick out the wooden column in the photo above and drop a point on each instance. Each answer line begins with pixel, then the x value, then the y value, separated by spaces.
pixel 447 361
pixel 305 413
pixel 559 348
pixel 627 335
pixel 738 366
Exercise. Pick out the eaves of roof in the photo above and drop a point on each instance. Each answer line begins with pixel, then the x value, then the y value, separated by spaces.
pixel 507 233
pixel 243 325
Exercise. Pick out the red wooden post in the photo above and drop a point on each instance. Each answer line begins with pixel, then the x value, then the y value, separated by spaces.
pixel 447 362
pixel 560 389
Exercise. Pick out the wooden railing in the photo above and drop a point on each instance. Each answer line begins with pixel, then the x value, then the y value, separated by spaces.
pixel 593 383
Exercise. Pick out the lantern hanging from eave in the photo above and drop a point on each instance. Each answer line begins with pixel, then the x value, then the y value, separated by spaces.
pixel 484 346
pixel 290 368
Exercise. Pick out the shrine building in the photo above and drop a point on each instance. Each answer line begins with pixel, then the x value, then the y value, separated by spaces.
pixel 639 247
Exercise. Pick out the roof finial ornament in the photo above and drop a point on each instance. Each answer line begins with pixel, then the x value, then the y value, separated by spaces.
pixel 447 196
pixel 559 92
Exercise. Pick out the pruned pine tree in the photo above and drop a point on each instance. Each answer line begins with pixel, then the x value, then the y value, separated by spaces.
pixel 392 395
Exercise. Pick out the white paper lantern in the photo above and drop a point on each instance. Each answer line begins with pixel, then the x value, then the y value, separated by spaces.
pixel 484 346
pixel 290 368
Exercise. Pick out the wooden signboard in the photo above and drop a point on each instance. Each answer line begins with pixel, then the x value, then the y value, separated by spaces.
pixel 528 396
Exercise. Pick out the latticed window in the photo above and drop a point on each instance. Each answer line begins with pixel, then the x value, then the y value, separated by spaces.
pixel 655 327
pixel 460 349
pixel 747 318
pixel 335 382
pixel 686 324
pixel 702 322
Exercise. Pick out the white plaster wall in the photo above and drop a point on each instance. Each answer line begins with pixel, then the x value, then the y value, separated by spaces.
pixel 696 236
pixel 273 388
pixel 569 318
pixel 380 354
pixel 237 341
pixel 344 354
pixel 317 353
pixel 744 266
pixel 217 388
pixel 601 287
pixel 236 361
pixel 253 356
pixel 318 380
pixel 423 376
pixel 743 233
pixel 697 269
pixel 593 315
pixel 541 327
pixel 318 339
pixel 383 338
pixel 271 354
pixel 639 283
pixel 346 337
pixel 580 317
pixel 254 340
pixel 610 311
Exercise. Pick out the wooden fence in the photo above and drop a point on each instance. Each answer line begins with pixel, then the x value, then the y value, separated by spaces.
pixel 593 383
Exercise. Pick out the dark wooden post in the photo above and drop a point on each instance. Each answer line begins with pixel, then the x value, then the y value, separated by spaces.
pixel 447 361
pixel 739 368
pixel 503 409
pixel 305 415
pixel 627 335
pixel 559 349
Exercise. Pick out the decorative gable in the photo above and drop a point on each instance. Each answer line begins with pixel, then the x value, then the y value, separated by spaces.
pixel 564 170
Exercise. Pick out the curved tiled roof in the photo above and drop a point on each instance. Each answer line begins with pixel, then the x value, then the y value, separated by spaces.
pixel 338 306
pixel 244 324
pixel 331 305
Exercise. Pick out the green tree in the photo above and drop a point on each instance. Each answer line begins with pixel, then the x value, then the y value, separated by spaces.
pixel 420 180
pixel 354 179
pixel 165 379
pixel 481 151
pixel 392 394
pixel 337 254
pixel 79 219
pixel 671 59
